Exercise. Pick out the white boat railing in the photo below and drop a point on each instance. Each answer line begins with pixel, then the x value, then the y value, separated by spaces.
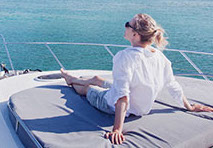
pixel 106 47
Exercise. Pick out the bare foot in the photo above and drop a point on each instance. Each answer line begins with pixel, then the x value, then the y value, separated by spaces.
pixel 68 78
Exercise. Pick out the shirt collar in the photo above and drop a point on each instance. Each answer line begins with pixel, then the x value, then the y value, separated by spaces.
pixel 146 52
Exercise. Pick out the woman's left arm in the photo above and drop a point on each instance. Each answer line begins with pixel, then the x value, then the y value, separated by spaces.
pixel 116 136
pixel 196 107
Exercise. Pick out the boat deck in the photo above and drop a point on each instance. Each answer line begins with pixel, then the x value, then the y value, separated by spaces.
pixel 167 125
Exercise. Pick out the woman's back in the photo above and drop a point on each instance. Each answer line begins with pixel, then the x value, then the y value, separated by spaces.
pixel 148 77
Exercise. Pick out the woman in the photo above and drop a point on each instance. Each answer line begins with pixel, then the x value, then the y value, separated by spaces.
pixel 139 74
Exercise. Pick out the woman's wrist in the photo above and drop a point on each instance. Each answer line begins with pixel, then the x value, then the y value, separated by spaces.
pixel 116 130
pixel 190 107
pixel 187 105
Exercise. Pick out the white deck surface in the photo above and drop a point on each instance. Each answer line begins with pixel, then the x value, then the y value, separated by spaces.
pixel 12 85
pixel 194 88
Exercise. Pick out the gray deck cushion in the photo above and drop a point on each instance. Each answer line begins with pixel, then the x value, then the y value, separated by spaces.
pixel 58 117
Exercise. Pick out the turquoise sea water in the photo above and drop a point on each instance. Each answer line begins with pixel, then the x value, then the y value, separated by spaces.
pixel 188 24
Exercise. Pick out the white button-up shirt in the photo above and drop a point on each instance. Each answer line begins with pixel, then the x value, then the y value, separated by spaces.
pixel 140 75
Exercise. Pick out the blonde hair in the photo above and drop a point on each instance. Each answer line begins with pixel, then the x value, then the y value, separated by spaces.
pixel 150 31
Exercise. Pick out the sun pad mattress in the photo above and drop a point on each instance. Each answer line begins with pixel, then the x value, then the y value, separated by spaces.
pixel 55 116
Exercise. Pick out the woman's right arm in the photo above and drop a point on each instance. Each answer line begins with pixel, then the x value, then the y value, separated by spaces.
pixel 176 92
pixel 172 85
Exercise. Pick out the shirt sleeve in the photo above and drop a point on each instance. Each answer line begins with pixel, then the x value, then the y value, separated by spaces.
pixel 122 76
pixel 172 85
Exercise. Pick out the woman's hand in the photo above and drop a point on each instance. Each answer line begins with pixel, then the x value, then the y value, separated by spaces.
pixel 196 107
pixel 200 108
pixel 115 137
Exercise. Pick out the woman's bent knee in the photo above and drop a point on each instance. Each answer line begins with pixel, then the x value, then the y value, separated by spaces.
pixel 96 78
